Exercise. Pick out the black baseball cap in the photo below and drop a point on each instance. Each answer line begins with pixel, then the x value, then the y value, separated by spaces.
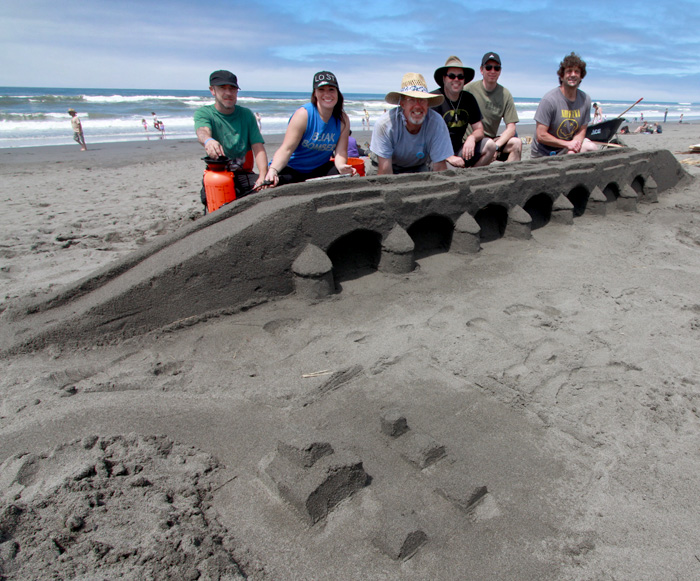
pixel 325 78
pixel 218 78
pixel 490 56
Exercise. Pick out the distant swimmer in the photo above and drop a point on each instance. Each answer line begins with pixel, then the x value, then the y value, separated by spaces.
pixel 597 113
pixel 77 129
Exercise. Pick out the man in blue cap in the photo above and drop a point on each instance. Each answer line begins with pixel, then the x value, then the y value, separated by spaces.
pixel 230 130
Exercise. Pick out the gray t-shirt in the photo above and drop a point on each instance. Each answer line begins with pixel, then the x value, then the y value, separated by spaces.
pixel 391 139
pixel 562 117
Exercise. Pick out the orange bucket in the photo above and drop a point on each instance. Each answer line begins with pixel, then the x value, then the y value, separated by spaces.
pixel 358 164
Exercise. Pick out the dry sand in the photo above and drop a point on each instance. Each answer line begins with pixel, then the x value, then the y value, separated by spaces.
pixel 562 373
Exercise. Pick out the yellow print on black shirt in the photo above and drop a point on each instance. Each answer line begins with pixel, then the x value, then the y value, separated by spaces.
pixel 569 125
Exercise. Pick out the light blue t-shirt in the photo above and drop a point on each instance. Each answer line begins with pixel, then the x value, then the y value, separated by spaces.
pixel 318 142
pixel 391 139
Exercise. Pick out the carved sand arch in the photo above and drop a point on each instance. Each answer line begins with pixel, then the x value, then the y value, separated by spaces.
pixel 294 238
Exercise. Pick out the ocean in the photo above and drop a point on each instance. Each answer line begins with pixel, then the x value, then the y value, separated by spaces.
pixel 31 116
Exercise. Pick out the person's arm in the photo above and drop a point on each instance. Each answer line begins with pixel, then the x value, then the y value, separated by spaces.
pixel 470 142
pixel 455 160
pixel 292 138
pixel 211 146
pixel 506 136
pixel 545 138
pixel 260 156
pixel 441 165
pixel 341 148
pixel 577 141
pixel 384 166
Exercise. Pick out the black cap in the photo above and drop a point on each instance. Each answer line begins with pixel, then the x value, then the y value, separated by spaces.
pixel 325 78
pixel 490 56
pixel 218 78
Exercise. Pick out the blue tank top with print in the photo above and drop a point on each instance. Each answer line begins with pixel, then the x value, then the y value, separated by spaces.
pixel 318 142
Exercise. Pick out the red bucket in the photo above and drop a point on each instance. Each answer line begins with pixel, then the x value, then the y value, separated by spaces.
pixel 358 164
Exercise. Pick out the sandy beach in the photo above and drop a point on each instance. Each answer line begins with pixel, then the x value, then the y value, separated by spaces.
pixel 560 372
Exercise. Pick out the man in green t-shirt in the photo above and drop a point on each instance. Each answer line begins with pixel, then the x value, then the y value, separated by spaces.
pixel 496 103
pixel 226 129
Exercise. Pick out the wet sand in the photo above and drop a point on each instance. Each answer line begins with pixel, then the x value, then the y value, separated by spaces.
pixel 560 372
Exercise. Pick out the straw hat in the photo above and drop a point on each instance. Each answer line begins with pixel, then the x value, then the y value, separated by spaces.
pixel 453 62
pixel 413 85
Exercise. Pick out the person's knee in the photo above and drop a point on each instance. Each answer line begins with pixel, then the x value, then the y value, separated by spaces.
pixel 588 145
pixel 488 147
pixel 515 148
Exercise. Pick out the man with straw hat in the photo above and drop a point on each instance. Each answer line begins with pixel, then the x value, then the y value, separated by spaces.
pixel 408 138
pixel 462 115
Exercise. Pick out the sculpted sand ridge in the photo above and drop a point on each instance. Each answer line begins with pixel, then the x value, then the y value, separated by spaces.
pixel 244 254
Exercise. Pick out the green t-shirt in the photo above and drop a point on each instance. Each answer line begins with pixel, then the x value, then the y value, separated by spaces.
pixel 495 105
pixel 235 132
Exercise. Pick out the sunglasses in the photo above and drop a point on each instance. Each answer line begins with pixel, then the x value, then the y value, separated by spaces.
pixel 452 76
pixel 495 67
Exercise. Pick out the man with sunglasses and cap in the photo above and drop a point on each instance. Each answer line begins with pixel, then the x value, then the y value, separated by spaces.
pixel 496 104
pixel 461 114
pixel 227 129
pixel 411 137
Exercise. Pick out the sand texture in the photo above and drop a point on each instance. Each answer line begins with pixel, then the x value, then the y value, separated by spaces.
pixel 550 389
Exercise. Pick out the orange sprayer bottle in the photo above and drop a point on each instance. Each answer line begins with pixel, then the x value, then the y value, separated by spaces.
pixel 218 183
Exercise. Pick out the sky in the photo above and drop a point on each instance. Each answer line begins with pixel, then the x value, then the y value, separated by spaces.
pixel 633 49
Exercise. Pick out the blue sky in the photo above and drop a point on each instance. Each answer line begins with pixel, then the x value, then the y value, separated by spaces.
pixel 633 49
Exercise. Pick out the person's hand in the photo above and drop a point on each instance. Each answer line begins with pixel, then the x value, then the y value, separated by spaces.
pixel 455 160
pixel 262 184
pixel 213 148
pixel 272 177
pixel 574 146
pixel 468 148
pixel 347 169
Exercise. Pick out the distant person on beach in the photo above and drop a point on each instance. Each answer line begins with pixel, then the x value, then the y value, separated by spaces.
pixel 411 137
pixel 496 103
pixel 314 132
pixel 225 129
pixel 597 113
pixel 156 121
pixel 161 126
pixel 564 113
pixel 365 120
pixel 77 129
pixel 145 125
pixel 665 114
pixel 681 118
pixel 258 118
pixel 642 128
pixel 460 112
pixel 354 150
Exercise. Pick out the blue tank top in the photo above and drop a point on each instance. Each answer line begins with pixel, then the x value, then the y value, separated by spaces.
pixel 318 142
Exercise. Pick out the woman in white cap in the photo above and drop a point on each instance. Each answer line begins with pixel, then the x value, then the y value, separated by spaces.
pixel 314 132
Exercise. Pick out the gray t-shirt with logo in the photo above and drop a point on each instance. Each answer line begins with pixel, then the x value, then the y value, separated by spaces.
pixel 391 139
pixel 562 117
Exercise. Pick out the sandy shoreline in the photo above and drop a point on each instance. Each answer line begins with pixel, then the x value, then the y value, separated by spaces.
pixel 560 372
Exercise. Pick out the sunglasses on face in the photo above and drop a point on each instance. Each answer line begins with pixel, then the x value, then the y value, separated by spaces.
pixel 452 76
pixel 495 67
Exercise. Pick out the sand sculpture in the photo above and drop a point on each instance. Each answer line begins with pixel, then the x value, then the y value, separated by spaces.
pixel 306 237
